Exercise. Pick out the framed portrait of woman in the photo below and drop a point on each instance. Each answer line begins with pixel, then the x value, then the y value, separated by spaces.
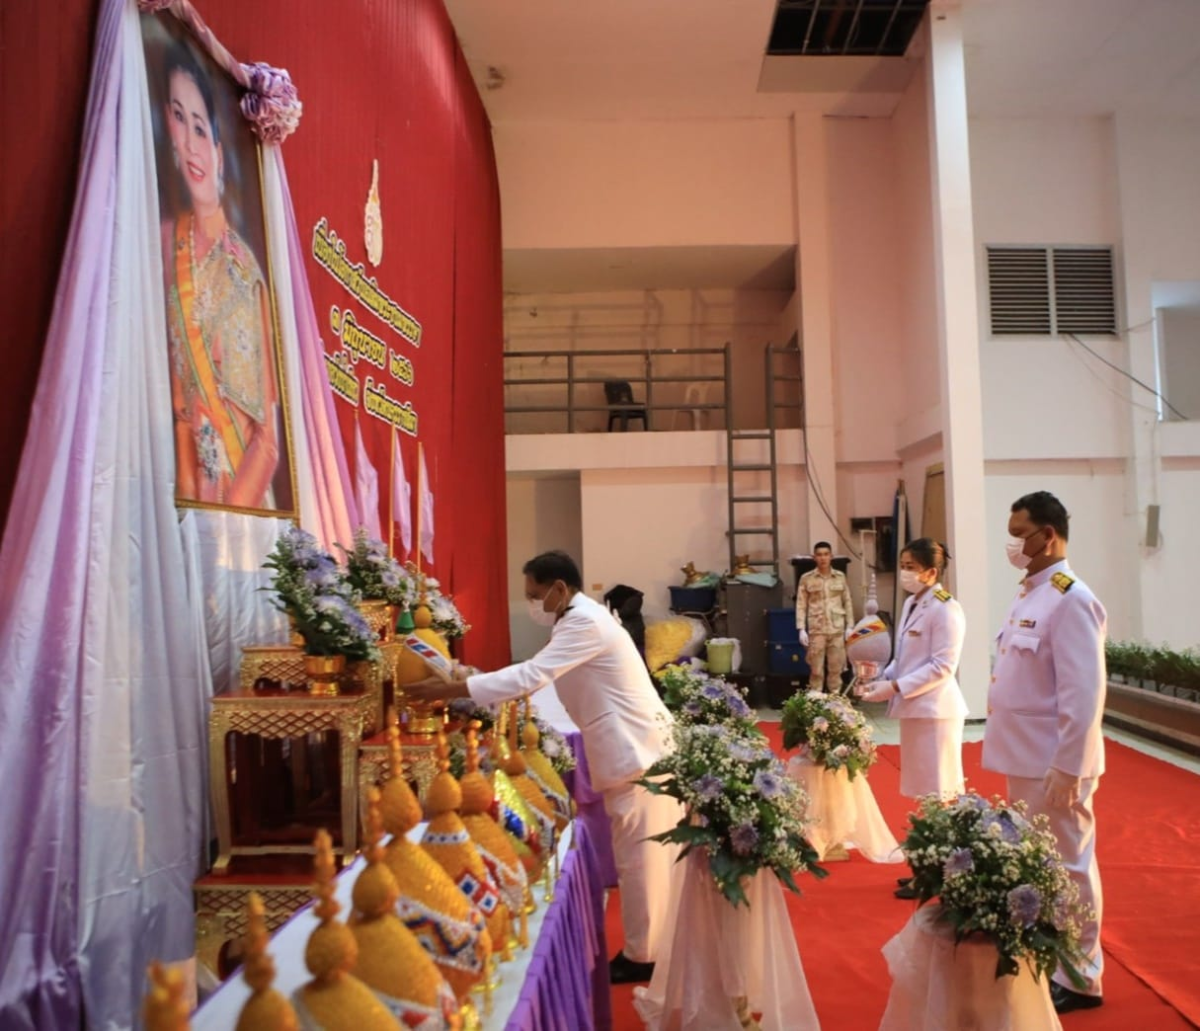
pixel 232 449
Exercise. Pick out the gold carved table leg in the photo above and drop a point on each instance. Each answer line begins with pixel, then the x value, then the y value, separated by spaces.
pixel 350 727
pixel 218 776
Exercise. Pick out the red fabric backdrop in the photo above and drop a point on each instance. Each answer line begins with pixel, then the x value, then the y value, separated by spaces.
pixel 380 80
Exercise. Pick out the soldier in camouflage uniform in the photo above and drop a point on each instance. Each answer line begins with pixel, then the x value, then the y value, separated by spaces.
pixel 824 614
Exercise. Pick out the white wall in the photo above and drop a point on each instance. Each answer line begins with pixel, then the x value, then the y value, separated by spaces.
pixel 1179 360
pixel 544 514
pixel 644 184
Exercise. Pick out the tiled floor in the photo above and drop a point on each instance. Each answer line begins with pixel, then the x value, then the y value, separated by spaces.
pixel 887 732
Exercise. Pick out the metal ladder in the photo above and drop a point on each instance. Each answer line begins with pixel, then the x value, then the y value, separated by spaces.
pixel 744 500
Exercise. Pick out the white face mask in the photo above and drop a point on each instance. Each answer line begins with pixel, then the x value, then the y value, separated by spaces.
pixel 911 582
pixel 1015 549
pixel 539 615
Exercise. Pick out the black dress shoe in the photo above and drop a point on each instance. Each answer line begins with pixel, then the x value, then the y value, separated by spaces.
pixel 905 891
pixel 902 881
pixel 623 970
pixel 1067 1001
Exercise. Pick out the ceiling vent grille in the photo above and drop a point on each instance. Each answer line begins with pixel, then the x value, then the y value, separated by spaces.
pixel 844 28
pixel 1043 291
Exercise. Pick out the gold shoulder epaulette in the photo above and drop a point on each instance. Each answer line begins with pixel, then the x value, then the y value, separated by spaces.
pixel 1062 582
pixel 942 595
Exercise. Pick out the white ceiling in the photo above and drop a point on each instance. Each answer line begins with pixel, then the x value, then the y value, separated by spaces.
pixel 625 59
pixel 1082 57
pixel 564 60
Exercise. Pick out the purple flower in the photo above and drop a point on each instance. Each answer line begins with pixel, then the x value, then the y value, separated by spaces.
pixel 1024 904
pixel 961 861
pixel 709 787
pixel 768 784
pixel 743 752
pixel 712 691
pixel 744 838
pixel 692 707
pixel 1005 829
pixel 738 706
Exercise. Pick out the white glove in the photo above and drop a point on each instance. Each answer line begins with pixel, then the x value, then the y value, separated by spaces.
pixel 804 637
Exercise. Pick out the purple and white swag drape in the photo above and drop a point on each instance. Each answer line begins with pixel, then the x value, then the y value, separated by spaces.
pixel 119 615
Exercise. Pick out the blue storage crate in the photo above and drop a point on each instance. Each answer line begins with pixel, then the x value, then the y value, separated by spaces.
pixel 787 659
pixel 781 626
pixel 693 599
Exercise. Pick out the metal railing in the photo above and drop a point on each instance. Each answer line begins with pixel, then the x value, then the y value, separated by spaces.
pixel 576 374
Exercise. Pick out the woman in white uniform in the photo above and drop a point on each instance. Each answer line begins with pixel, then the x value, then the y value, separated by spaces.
pixel 920 683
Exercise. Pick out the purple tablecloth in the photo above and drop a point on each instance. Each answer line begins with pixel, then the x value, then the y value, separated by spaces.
pixel 566 986
pixel 589 811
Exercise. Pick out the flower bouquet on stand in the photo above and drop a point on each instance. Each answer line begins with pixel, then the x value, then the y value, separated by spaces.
pixel 447 620
pixel 696 698
pixel 732 954
pixel 835 752
pixel 1005 906
pixel 312 590
pixel 383 584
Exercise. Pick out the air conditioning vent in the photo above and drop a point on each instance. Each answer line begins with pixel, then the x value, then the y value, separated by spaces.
pixel 1043 291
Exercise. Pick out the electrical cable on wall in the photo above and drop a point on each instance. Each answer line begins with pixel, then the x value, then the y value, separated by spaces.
pixel 1128 375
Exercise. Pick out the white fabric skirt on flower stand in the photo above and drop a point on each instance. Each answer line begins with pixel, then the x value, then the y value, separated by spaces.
pixel 723 963
pixel 842 811
pixel 938 986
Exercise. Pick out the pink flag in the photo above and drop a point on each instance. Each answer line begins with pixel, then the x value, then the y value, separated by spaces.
pixel 366 485
pixel 401 498
pixel 426 511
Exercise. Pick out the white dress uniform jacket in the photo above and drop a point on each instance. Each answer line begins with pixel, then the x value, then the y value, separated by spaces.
pixel 929 641
pixel 604 686
pixel 1046 698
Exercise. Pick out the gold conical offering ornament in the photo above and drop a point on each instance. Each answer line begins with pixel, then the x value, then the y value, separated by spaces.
pixel 542 772
pixel 266 1009
pixel 447 840
pixel 443 920
pixel 514 765
pixel 334 999
pixel 521 822
pixel 478 798
pixel 165 1008
pixel 390 959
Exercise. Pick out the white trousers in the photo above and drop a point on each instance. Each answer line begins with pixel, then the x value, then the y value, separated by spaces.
pixel 643 867
pixel 1075 830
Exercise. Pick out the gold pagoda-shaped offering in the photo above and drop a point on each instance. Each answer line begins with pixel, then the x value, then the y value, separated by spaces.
pixel 447 840
pixel 493 844
pixel 266 1009
pixel 165 1008
pixel 513 764
pixel 334 999
pixel 390 959
pixel 451 930
pixel 542 772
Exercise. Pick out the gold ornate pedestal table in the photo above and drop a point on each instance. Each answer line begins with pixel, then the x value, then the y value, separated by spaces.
pixel 275 714
pixel 420 763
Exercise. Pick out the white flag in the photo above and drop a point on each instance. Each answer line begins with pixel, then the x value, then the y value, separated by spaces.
pixel 366 485
pixel 426 511
pixel 401 498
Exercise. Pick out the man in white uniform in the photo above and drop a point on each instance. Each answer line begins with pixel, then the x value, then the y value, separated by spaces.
pixel 1045 705
pixel 605 688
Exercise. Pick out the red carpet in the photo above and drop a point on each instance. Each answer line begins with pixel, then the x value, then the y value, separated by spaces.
pixel 1147 812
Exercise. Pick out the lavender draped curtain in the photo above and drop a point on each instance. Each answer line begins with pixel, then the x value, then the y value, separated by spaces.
pixel 116 614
